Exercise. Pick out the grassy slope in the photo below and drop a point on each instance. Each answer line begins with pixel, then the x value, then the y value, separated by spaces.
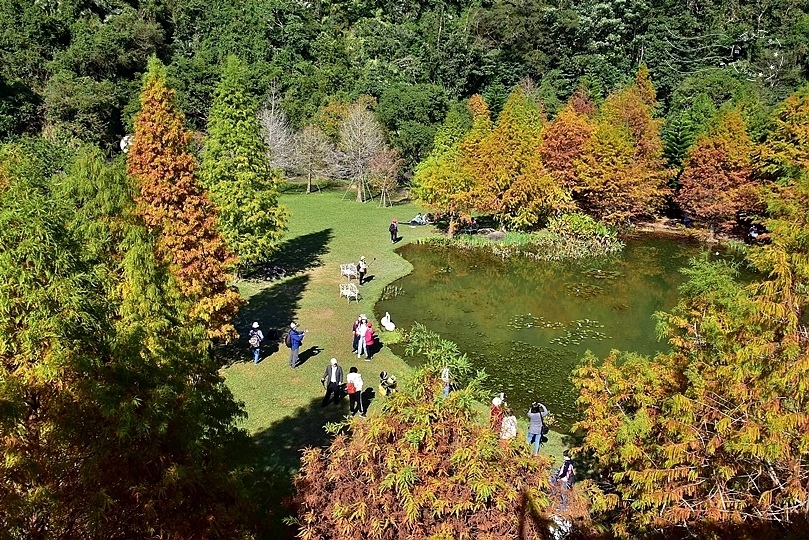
pixel 283 405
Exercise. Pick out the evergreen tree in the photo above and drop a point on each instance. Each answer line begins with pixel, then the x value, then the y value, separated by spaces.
pixel 563 144
pixel 177 211
pixel 683 127
pixel 236 173
pixel 115 423
pixel 717 179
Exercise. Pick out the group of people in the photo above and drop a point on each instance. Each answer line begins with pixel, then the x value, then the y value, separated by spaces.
pixel 293 339
pixel 362 332
pixel 332 381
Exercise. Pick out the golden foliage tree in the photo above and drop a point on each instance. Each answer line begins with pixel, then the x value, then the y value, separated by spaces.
pixel 564 141
pixel 177 211
pixel 717 179
pixel 511 182
pixel 786 151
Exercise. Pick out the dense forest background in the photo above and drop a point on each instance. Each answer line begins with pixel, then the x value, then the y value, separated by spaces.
pixel 72 67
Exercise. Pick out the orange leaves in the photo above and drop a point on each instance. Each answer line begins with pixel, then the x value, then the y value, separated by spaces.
pixel 176 210
pixel 564 142
pixel 717 179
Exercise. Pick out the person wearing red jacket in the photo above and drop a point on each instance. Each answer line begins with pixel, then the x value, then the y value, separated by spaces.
pixel 369 340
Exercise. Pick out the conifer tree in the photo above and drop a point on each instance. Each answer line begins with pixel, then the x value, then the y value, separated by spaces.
pixel 717 180
pixel 236 172
pixel 785 154
pixel 115 423
pixel 175 208
pixel 441 181
pixel 511 181
pixel 563 143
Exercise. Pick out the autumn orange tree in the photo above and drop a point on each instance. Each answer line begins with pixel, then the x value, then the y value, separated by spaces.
pixel 622 175
pixel 511 181
pixel 714 433
pixel 717 179
pixel 175 208
pixel 564 140
pixel 424 467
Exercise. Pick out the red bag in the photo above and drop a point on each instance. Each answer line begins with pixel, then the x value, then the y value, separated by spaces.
pixel 350 388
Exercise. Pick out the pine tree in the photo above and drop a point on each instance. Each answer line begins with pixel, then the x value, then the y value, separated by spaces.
pixel 717 180
pixel 236 173
pixel 177 211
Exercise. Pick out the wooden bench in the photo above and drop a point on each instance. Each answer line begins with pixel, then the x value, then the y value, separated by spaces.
pixel 349 290
pixel 349 270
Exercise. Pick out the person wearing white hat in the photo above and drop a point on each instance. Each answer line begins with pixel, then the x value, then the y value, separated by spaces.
pixel 254 339
pixel 332 381
pixel 362 269
pixel 497 413
pixel 295 342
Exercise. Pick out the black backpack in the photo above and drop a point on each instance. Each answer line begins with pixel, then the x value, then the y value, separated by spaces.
pixel 392 227
pixel 288 340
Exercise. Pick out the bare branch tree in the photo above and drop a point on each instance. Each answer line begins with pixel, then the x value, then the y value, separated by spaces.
pixel 384 174
pixel 312 154
pixel 361 138
pixel 276 132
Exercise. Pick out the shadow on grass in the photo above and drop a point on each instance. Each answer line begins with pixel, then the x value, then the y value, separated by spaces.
pixel 274 308
pixel 294 256
pixel 280 446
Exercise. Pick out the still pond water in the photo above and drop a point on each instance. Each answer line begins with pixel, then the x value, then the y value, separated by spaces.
pixel 528 323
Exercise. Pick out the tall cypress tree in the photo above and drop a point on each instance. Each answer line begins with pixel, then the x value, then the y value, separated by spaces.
pixel 236 172
pixel 176 209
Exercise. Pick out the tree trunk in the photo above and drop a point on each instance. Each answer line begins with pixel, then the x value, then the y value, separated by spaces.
pixel 309 181
pixel 359 190
pixel 453 227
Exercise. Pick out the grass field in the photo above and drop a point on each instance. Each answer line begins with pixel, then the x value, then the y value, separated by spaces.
pixel 284 405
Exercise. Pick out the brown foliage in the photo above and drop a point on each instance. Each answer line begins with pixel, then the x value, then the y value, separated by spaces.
pixel 176 210
pixel 564 141
pixel 424 468
pixel 717 179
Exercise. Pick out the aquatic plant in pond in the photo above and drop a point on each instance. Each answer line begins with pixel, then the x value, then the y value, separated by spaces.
pixel 528 322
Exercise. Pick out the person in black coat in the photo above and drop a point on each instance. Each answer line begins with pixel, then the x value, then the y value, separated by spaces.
pixel 332 381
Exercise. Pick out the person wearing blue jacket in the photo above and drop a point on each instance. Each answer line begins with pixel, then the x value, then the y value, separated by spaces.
pixel 296 340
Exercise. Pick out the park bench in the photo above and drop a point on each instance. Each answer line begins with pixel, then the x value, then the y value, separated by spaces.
pixel 349 290
pixel 349 270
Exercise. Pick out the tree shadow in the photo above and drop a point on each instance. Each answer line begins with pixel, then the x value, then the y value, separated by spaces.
pixel 293 256
pixel 281 444
pixel 274 308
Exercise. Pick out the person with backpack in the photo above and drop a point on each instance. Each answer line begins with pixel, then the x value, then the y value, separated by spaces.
pixel 294 340
pixel 394 230
pixel 354 391
pixel 254 339
pixel 566 475
pixel 536 425
pixel 332 380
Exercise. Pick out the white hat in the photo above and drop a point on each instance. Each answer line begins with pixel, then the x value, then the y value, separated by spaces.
pixel 362 258
pixel 292 325
pixel 363 317
pixel 255 324
pixel 334 361
pixel 497 401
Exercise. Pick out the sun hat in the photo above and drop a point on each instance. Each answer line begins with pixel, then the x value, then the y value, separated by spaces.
pixel 362 258
pixel 497 401
pixel 293 325
pixel 334 361
pixel 255 324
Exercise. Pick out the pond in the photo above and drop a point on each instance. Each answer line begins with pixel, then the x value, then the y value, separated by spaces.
pixel 528 323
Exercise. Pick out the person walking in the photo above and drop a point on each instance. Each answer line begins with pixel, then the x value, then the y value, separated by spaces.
pixel 254 339
pixel 536 425
pixel 332 380
pixel 295 342
pixel 394 230
pixel 362 269
pixel 361 343
pixel 355 337
pixel 354 391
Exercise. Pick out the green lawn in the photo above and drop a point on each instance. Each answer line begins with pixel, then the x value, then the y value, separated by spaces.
pixel 284 405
